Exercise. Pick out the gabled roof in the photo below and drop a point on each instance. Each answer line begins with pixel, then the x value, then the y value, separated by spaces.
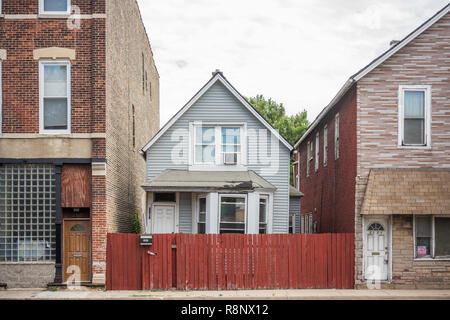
pixel 217 77
pixel 372 65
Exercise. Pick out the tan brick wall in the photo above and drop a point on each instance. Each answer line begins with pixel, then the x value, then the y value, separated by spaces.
pixel 424 61
pixel 126 43
pixel 409 273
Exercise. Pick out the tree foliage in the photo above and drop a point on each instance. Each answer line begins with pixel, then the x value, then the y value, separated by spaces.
pixel 291 127
pixel 136 223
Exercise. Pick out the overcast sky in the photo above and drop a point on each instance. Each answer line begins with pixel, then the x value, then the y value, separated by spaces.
pixel 298 52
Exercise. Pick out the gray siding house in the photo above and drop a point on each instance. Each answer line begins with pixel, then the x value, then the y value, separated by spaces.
pixel 217 167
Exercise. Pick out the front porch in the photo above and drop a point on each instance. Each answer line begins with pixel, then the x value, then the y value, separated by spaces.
pixel 209 202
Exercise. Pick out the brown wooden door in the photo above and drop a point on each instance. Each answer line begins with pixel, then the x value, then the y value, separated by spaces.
pixel 77 248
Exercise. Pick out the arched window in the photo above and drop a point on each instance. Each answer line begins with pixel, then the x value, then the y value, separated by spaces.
pixel 375 227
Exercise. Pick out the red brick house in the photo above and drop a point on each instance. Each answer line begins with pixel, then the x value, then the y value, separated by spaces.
pixel 376 162
pixel 79 96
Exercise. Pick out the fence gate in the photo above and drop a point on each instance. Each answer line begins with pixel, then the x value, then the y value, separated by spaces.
pixel 228 261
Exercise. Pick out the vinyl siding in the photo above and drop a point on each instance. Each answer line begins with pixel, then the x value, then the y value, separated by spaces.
pixel 294 209
pixel 185 214
pixel 219 105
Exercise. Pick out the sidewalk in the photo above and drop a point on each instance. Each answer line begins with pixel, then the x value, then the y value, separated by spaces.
pixel 304 294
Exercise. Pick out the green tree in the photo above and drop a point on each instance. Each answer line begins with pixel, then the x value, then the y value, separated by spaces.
pixel 136 223
pixel 290 127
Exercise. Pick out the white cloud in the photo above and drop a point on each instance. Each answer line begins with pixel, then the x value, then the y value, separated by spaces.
pixel 297 52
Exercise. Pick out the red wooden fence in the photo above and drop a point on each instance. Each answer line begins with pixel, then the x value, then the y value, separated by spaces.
pixel 226 261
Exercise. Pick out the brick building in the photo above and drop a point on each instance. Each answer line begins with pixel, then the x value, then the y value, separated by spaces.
pixel 376 162
pixel 79 97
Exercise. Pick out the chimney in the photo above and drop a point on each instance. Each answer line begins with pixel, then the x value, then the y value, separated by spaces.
pixel 393 43
pixel 216 72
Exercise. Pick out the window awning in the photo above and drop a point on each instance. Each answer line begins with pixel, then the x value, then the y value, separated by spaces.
pixel 198 181
pixel 407 191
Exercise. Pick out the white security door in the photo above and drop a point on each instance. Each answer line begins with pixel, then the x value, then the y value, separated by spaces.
pixel 163 219
pixel 377 251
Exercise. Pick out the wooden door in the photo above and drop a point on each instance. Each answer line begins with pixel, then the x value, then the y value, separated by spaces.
pixel 77 249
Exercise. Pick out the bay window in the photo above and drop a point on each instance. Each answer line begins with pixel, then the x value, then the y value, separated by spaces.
pixel 432 237
pixel 414 115
pixel 201 215
pixel 232 214
pixel 54 6
pixel 54 84
pixel 263 210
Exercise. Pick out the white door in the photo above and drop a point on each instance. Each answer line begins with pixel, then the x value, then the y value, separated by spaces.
pixel 163 219
pixel 377 250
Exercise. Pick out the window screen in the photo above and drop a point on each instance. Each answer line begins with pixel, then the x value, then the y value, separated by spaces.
pixel 27 213
pixel 442 236
pixel 232 215
pixel 414 121
pixel 423 236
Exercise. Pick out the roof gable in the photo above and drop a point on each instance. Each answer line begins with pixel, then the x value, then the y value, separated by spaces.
pixel 371 66
pixel 217 77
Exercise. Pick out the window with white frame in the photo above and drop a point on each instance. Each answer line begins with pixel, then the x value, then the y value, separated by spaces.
pixel 414 115
pixel 54 6
pixel 309 157
pixel 201 215
pixel 218 145
pixel 54 87
pixel 325 146
pixel 232 214
pixel 263 210
pixel 205 145
pixel 432 237
pixel 231 143
pixel 336 137
pixel 317 152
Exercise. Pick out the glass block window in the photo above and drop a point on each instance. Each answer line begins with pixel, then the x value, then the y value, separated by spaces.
pixel 27 213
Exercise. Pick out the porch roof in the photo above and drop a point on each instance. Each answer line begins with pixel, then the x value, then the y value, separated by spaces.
pixel 183 180
pixel 294 193
pixel 407 191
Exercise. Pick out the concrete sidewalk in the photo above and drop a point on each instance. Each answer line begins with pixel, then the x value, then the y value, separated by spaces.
pixel 303 294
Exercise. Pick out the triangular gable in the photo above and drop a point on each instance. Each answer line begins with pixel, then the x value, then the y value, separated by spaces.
pixel 372 65
pixel 218 77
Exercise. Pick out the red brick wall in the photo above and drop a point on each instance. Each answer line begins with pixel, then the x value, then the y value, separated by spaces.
pixel 21 72
pixel 330 192
pixel 32 6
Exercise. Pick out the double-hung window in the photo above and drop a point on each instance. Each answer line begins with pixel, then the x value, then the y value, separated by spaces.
pixel 309 157
pixel 54 6
pixel 336 137
pixel 232 214
pixel 54 87
pixel 201 216
pixel 263 209
pixel 325 146
pixel 432 237
pixel 218 145
pixel 316 166
pixel 414 115
pixel 231 143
